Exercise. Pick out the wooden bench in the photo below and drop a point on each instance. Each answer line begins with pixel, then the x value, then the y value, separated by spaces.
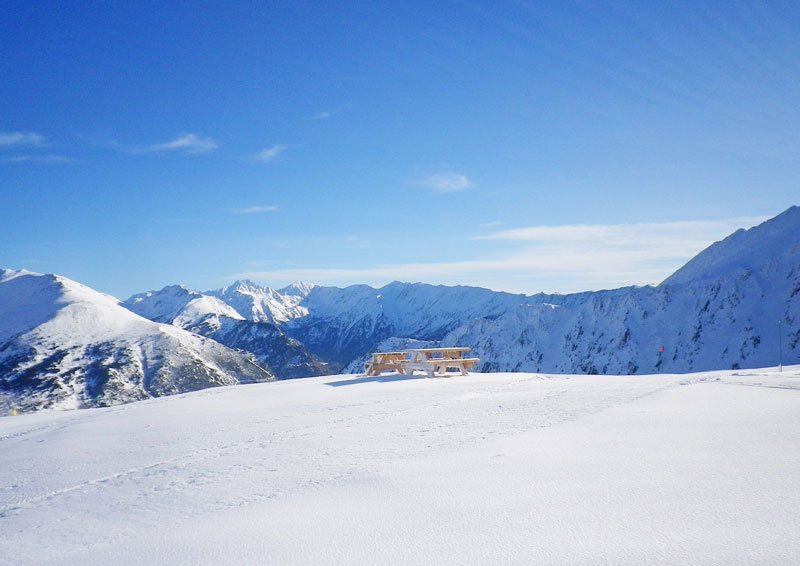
pixel 385 361
pixel 438 367
pixel 436 361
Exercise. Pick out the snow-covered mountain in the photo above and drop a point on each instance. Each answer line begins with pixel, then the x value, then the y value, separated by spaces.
pixel 178 305
pixel 64 345
pixel 210 316
pixel 344 324
pixel 263 304
pixel 721 310
pixel 298 289
pixel 736 304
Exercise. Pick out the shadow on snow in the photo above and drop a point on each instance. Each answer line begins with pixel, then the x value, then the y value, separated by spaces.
pixel 378 378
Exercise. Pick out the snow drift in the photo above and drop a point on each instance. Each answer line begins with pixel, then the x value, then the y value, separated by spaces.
pixel 503 468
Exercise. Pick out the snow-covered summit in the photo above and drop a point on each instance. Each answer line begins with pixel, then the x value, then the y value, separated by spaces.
pixel 735 305
pixel 767 249
pixel 7 274
pixel 30 299
pixel 298 288
pixel 212 317
pixel 176 304
pixel 65 345
pixel 260 304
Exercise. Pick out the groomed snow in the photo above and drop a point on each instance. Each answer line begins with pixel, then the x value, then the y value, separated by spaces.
pixel 482 469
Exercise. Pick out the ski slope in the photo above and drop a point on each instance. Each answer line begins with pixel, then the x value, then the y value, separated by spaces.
pixel 504 468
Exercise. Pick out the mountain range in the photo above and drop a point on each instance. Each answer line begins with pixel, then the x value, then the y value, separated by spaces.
pixel 216 315
pixel 64 345
pixel 735 305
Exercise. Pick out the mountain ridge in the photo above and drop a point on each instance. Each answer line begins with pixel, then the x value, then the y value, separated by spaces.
pixel 723 309
pixel 64 345
pixel 215 316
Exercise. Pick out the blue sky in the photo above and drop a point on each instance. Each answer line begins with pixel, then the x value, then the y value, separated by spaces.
pixel 521 146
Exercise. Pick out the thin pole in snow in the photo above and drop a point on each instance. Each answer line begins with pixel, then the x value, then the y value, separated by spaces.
pixel 780 348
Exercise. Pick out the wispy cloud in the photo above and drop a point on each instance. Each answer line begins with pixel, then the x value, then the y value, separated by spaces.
pixel 446 182
pixel 255 209
pixel 270 153
pixel 37 159
pixel 21 138
pixel 492 224
pixel 552 258
pixel 638 234
pixel 321 116
pixel 187 143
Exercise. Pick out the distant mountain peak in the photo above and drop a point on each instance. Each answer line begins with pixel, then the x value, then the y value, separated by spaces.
pixel 770 243
pixel 8 274
pixel 175 302
pixel 261 304
pixel 244 286
pixel 298 289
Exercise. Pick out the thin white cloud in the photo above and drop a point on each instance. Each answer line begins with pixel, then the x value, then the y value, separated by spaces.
pixel 270 153
pixel 321 116
pixel 492 224
pixel 555 259
pixel 446 182
pixel 38 159
pixel 21 138
pixel 639 234
pixel 187 143
pixel 255 209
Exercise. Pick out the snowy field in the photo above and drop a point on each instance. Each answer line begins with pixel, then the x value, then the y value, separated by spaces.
pixel 482 469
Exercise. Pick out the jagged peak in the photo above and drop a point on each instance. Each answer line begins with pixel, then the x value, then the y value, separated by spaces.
pixel 8 274
pixel 298 288
pixel 244 286
pixel 166 291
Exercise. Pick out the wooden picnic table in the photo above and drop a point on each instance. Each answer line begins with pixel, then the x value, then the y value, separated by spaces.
pixel 433 361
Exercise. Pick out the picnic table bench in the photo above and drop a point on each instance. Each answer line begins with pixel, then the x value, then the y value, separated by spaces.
pixel 436 361
pixel 433 361
pixel 385 361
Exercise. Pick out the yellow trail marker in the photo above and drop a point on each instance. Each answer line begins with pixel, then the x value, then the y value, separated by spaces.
pixel 14 412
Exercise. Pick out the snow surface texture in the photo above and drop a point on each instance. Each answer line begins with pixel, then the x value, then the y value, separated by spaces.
pixel 64 345
pixel 483 469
